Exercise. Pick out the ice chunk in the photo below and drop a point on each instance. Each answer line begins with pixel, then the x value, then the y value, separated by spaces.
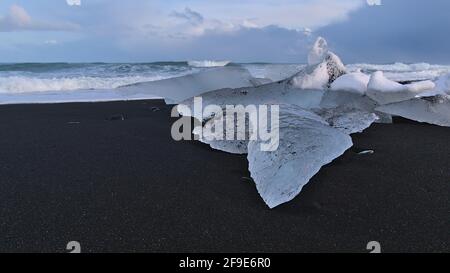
pixel 433 110
pixel 260 81
pixel 319 76
pixel 442 87
pixel 318 51
pixel 332 99
pixel 268 94
pixel 306 144
pixel 383 118
pixel 355 102
pixel 218 139
pixel 378 82
pixel 443 84
pixel 367 152
pixel 355 82
pixel 348 120
pixel 385 91
pixel 175 90
pixel 236 142
pixel 419 87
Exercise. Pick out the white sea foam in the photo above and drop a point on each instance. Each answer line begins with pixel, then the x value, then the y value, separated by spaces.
pixel 402 71
pixel 24 84
pixel 208 63
pixel 96 95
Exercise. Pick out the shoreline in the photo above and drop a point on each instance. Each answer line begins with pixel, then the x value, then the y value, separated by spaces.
pixel 70 171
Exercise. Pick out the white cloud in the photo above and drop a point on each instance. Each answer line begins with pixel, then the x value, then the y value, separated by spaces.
pixel 374 2
pixel 193 18
pixel 18 19
pixel 291 14
pixel 51 42
pixel 73 2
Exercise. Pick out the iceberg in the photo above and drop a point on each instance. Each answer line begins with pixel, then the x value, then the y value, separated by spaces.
pixel 307 141
pixel 276 93
pixel 319 108
pixel 385 91
pixel 432 110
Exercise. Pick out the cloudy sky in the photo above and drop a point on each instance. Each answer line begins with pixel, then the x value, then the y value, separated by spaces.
pixel 238 30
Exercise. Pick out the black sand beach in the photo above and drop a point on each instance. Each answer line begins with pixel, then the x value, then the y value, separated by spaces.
pixel 70 172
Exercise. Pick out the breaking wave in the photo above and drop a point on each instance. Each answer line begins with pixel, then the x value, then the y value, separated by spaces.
pixel 23 84
pixel 404 72
pixel 208 63
pixel 40 77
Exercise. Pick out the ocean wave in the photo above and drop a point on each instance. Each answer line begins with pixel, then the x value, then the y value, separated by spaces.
pixel 404 72
pixel 398 67
pixel 24 84
pixel 208 63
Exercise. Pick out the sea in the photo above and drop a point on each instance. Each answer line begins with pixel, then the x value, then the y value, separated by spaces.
pixel 32 78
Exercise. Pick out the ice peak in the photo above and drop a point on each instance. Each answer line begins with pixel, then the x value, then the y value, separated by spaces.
pixel 318 51
pixel 320 75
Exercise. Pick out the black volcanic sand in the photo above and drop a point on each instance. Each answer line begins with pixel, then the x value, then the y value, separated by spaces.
pixel 125 186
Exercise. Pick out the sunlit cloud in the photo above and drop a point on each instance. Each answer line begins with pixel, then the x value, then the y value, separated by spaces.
pixel 18 19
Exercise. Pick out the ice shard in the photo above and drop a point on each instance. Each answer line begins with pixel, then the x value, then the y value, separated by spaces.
pixel 442 87
pixel 348 120
pixel 272 93
pixel 332 99
pixel 385 91
pixel 306 144
pixel 433 110
pixel 175 90
pixel 350 111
